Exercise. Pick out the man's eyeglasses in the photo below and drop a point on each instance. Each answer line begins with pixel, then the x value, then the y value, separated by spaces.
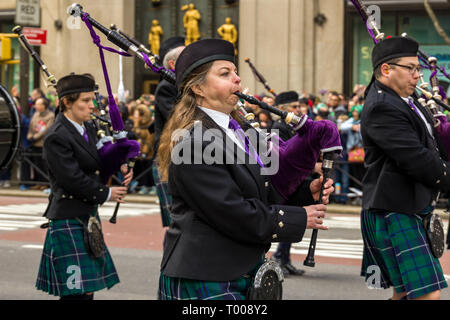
pixel 411 69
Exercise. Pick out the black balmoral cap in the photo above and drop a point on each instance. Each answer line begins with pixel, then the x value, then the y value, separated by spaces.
pixel 201 52
pixel 286 97
pixel 394 47
pixel 74 83
pixel 168 45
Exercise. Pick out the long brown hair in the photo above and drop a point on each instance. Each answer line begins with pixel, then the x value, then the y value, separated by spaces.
pixel 182 117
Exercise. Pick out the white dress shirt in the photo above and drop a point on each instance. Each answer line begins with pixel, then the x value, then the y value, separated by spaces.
pixel 222 120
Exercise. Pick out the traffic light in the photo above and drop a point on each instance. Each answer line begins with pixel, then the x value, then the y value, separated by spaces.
pixel 5 48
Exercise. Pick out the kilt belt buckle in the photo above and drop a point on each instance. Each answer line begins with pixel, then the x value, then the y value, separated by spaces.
pixel 435 234
pixel 267 283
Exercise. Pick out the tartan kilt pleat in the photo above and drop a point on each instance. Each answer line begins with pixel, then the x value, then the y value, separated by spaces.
pixel 397 244
pixel 66 267
pixel 165 199
pixel 171 288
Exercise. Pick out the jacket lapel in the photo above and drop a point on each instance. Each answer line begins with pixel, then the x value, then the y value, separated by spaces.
pixel 418 105
pixel 254 169
pixel 92 134
pixel 89 147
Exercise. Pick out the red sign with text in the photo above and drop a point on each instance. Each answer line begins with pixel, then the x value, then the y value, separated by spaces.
pixel 35 36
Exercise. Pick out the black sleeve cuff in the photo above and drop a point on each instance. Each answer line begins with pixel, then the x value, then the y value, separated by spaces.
pixel 290 224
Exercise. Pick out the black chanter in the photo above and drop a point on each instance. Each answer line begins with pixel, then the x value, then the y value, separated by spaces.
pixel 327 166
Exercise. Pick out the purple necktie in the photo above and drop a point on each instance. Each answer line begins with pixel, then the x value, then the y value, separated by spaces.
pixel 413 107
pixel 234 125
pixel 85 135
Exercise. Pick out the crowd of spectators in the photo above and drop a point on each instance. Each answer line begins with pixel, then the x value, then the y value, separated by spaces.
pixel 31 170
pixel 138 117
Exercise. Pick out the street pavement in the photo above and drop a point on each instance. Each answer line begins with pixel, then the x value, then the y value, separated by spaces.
pixel 135 243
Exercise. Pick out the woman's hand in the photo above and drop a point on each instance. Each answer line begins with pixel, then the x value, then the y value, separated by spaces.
pixel 318 168
pixel 315 186
pixel 118 194
pixel 128 176
pixel 315 215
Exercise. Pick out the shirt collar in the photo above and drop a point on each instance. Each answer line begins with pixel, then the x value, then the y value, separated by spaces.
pixel 406 99
pixel 80 128
pixel 222 119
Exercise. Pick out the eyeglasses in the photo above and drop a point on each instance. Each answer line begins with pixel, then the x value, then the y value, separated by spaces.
pixel 410 68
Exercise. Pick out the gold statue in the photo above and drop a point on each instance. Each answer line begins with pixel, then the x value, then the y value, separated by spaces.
pixel 154 36
pixel 190 21
pixel 228 32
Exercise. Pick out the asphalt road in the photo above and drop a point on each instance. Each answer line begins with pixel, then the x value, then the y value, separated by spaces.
pixel 135 243
pixel 139 273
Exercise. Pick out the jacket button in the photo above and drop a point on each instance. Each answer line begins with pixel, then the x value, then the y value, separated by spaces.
pixel 266 184
pixel 94 197
pixel 274 236
pixel 438 181
pixel 281 224
pixel 70 197
pixel 63 196
pixel 97 172
pixel 100 190
pixel 281 212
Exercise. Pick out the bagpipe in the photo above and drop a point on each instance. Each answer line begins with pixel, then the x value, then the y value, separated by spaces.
pixel 113 146
pixel 305 148
pixel 299 155
pixel 130 47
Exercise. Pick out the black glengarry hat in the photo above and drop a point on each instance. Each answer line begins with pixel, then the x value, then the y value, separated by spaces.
pixel 168 45
pixel 201 52
pixel 286 97
pixel 74 83
pixel 394 47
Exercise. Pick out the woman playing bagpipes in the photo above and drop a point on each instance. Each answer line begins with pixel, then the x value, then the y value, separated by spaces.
pixel 75 261
pixel 223 218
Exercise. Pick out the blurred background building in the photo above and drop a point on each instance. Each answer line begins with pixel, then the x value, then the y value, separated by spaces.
pixel 302 45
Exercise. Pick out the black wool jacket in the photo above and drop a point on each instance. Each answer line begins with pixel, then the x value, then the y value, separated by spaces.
pixel 74 171
pixel 165 97
pixel 224 216
pixel 405 165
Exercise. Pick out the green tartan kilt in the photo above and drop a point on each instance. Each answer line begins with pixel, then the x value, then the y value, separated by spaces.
pixel 165 199
pixel 396 243
pixel 172 288
pixel 66 267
